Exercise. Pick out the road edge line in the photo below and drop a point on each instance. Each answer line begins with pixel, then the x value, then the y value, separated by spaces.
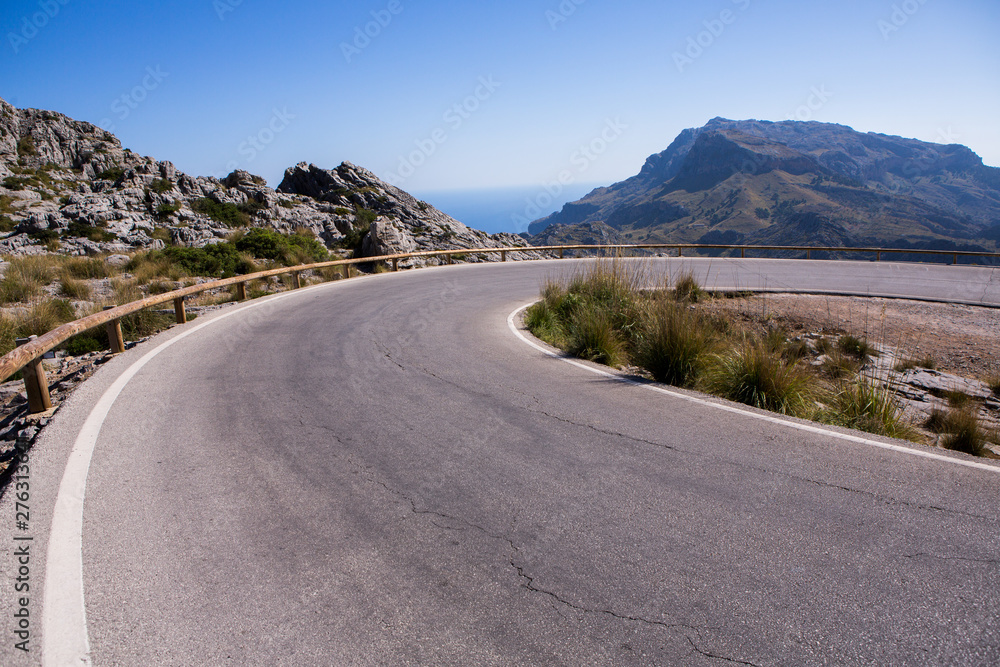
pixel 808 428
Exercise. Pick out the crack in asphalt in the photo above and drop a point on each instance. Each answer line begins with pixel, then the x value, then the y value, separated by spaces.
pixel 744 466
pixel 529 581
pixel 984 561
pixel 616 434
pixel 712 656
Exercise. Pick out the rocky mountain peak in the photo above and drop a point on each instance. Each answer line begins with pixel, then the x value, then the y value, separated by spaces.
pixel 69 186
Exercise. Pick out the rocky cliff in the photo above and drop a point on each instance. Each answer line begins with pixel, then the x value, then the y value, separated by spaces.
pixel 68 186
pixel 800 183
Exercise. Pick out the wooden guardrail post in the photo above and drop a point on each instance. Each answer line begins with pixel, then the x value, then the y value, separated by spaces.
pixel 346 268
pixel 296 280
pixel 743 253
pixel 241 291
pixel 179 312
pixel 680 251
pixel 955 259
pixel 809 254
pixel 116 342
pixel 36 386
pixel 448 258
pixel 878 256
pixel 560 253
pixel 395 264
pixel 503 255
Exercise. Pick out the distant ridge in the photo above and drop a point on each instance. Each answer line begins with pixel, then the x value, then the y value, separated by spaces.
pixel 799 183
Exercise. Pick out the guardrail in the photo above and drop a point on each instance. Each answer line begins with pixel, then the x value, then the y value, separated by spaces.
pixel 27 357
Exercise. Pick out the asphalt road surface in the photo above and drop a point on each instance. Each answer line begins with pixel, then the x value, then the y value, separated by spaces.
pixel 381 472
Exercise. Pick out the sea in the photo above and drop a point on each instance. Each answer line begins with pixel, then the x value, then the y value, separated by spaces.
pixel 509 209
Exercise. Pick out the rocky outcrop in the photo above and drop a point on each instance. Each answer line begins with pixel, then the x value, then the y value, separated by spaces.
pixel 68 186
pixel 389 220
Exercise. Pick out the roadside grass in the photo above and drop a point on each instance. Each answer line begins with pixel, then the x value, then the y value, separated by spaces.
pixel 754 374
pixel 856 347
pixel 674 343
pixel 961 430
pixel 610 315
pixel 868 405
pixel 910 363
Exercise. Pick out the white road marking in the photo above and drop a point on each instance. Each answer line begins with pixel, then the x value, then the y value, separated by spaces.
pixel 740 411
pixel 64 619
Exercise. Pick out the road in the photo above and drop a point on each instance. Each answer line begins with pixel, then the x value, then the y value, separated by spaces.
pixel 380 472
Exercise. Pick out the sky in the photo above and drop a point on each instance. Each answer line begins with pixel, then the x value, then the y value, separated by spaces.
pixel 544 94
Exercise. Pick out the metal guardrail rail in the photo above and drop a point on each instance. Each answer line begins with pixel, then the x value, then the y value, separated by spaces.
pixel 28 356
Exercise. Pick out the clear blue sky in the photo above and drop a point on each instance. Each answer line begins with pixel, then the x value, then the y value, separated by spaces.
pixel 558 75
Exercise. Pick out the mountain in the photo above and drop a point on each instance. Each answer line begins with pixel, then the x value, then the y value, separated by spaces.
pixel 799 183
pixel 68 186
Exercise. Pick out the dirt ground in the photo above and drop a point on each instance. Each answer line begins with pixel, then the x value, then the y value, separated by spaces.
pixel 964 340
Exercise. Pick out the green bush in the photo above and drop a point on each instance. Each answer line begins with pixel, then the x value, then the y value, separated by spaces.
pixel 26 146
pixel 84 343
pixel 166 209
pixel 82 229
pixel 870 406
pixel 161 185
pixel 6 224
pixel 859 348
pixel 217 259
pixel 755 375
pixel 228 214
pixel 674 343
pixel 111 174
pixel 592 335
pixel 266 243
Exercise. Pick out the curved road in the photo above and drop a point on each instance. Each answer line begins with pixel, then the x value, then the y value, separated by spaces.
pixel 380 472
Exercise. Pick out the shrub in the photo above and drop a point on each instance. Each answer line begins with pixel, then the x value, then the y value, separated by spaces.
pixel 674 343
pixel 364 217
pixel 25 277
pixel 542 321
pixel 161 185
pixel 869 406
pixel 26 146
pixel 964 432
pixel 592 336
pixel 167 209
pixel 228 214
pixel 87 268
pixel 6 224
pixel 218 259
pixel 5 204
pixel 754 375
pixel 909 363
pixel 111 174
pixel 82 229
pixel 292 250
pixel 83 344
pixel 687 288
pixel 859 348
pixel 46 316
pixel 72 288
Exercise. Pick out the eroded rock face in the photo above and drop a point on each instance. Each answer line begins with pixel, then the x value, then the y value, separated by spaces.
pixel 69 186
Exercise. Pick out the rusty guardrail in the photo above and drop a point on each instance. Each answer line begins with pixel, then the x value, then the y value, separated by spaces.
pixel 28 356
